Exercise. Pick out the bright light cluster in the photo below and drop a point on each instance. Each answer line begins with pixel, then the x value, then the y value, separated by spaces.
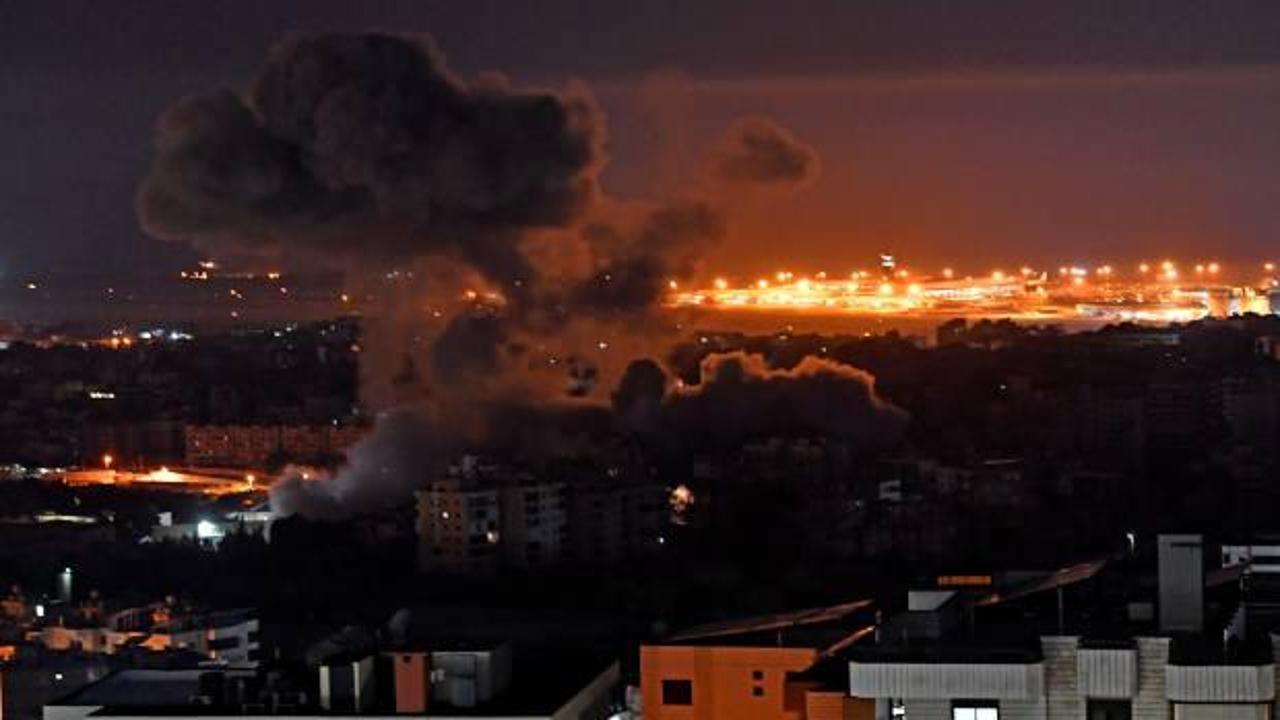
pixel 1152 292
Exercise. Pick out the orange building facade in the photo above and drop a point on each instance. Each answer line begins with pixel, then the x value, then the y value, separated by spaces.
pixel 716 682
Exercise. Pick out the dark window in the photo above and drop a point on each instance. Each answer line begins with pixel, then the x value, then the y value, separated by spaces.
pixel 225 643
pixel 1109 710
pixel 757 674
pixel 757 691
pixel 677 692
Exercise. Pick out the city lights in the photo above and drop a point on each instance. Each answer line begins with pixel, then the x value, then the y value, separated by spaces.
pixel 1142 296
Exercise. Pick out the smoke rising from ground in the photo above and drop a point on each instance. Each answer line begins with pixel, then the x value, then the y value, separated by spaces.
pixel 739 397
pixel 759 153
pixel 363 151
pixel 389 463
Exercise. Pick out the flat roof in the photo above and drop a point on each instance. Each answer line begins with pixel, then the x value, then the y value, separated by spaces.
pixel 135 687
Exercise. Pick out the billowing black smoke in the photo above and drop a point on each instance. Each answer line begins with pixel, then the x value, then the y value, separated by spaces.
pixel 363 146
pixel 638 266
pixel 759 153
pixel 739 397
pixel 362 151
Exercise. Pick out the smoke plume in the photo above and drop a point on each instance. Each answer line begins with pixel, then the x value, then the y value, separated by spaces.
pixel 362 151
pixel 363 146
pixel 388 464
pixel 739 397
pixel 758 153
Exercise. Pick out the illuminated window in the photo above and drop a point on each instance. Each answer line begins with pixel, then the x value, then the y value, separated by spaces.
pixel 975 710
pixel 677 692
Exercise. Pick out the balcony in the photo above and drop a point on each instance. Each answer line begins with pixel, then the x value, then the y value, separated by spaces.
pixel 947 672
pixel 1204 671
pixel 1107 672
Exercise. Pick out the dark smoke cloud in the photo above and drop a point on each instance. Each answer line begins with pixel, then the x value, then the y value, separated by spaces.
pixel 757 152
pixel 740 397
pixel 363 151
pixel 667 246
pixel 638 399
pixel 363 145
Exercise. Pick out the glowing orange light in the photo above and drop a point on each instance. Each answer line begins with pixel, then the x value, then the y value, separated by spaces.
pixel 948 273
pixel 1214 268
pixel 886 289
pixel 722 284
pixel 762 283
pixel 107 461
pixel 1144 268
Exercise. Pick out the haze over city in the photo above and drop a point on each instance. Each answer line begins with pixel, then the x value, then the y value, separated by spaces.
pixel 684 361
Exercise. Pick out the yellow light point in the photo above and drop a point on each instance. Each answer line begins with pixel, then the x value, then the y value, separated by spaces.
pixel 902 274
pixel 1144 268
pixel 886 289
pixel 470 295
pixel 948 273
pixel 780 276
pixel 804 285
pixel 1269 267
pixel 997 275
pixel 1025 271
pixel 762 283
pixel 273 276
pixel 1199 269
pixel 722 284
pixel 1077 280
pixel 1167 265
pixel 913 289
pixel 1062 270
pixel 107 461
pixel 1214 268
pixel 673 284
pixel 1171 273
pixel 821 276
pixel 344 298
pixel 250 479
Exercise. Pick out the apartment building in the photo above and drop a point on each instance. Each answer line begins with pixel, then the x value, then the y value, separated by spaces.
pixel 940 660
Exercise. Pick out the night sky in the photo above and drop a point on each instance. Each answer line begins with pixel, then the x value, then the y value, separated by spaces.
pixel 948 131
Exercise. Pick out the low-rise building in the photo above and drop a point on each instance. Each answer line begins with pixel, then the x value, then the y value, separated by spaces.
pixel 761 668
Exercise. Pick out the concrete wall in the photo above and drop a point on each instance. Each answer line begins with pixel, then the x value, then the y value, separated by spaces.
pixel 1151 702
pixel 1063 698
